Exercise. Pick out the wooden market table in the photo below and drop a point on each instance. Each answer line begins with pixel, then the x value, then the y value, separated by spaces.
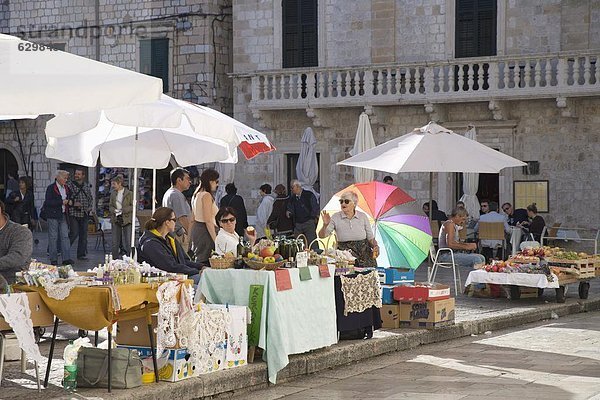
pixel 93 308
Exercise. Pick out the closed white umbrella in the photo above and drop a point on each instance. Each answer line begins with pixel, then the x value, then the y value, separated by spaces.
pixel 307 168
pixel 363 141
pixel 226 175
pixel 471 184
pixel 39 80
pixel 432 148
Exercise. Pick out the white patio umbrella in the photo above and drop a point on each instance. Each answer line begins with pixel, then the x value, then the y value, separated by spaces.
pixel 471 183
pixel 363 141
pixel 146 136
pixel 307 168
pixel 39 80
pixel 432 148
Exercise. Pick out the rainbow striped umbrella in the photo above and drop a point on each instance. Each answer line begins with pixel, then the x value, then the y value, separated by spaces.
pixel 403 236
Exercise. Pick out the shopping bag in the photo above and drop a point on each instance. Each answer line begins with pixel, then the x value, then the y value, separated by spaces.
pixel 92 368
pixel 304 273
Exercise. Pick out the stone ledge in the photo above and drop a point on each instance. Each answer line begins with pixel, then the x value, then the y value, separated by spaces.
pixel 226 383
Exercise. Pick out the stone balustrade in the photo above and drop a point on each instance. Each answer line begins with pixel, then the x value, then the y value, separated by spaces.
pixel 465 80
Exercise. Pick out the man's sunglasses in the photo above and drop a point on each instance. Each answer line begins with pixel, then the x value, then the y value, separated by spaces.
pixel 506 209
pixel 345 201
pixel 226 220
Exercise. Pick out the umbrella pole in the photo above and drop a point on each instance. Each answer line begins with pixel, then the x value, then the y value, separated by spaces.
pixel 153 191
pixel 133 215
pixel 430 196
pixel 135 193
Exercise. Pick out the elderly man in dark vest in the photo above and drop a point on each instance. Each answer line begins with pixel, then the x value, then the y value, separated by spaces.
pixel 303 209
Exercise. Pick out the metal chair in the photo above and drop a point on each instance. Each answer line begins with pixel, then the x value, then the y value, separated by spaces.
pixel 99 233
pixel 435 231
pixel 435 264
pixel 492 231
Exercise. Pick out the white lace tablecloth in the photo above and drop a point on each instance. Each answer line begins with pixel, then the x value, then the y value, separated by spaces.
pixel 519 279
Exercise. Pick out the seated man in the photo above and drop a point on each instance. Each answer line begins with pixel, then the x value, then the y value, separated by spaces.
pixel 514 216
pixel 488 246
pixel 449 238
pixel 16 245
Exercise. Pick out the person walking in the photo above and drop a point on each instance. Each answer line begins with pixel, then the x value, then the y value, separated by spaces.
pixel 279 221
pixel 81 206
pixel 204 208
pixel 21 203
pixel 120 206
pixel 56 208
pixel 235 201
pixel 175 200
pixel 265 208
pixel 303 209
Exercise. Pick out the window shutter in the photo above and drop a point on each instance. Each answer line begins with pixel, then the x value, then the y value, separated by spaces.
pixel 475 28
pixel 154 59
pixel 299 33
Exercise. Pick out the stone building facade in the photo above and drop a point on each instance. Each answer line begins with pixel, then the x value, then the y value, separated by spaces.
pixel 534 95
pixel 195 60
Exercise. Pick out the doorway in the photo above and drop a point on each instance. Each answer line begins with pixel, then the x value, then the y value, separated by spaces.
pixel 489 187
pixel 291 160
pixel 8 164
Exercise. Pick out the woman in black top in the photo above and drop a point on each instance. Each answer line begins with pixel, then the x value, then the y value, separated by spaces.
pixel 536 223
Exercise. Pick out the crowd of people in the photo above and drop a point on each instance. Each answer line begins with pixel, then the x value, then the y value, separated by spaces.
pixel 183 233
pixel 464 251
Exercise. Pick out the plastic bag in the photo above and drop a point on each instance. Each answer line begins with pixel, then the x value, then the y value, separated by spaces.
pixel 70 353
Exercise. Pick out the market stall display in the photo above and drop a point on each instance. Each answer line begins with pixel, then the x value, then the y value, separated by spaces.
pixel 297 315
pixel 541 267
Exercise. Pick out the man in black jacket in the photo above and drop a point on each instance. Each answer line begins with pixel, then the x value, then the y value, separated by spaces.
pixel 56 207
pixel 235 201
pixel 304 211
pixel 79 211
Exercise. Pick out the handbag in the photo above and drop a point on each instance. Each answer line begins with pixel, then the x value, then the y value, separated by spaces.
pixel 92 368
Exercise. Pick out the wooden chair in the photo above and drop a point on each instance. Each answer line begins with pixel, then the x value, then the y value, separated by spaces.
pixel 435 231
pixel 492 231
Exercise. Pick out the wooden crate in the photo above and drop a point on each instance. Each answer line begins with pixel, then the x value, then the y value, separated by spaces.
pixel 583 268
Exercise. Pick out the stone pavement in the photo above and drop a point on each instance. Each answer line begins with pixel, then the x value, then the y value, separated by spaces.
pixel 473 316
pixel 556 359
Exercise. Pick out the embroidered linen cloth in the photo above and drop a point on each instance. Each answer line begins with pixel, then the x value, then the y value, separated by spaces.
pixel 237 337
pixel 517 278
pixel 15 310
pixel 293 321
pixel 361 292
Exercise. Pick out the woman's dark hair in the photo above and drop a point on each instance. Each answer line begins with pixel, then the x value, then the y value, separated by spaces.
pixel 160 216
pixel 532 207
pixel 280 190
pixel 266 188
pixel 27 181
pixel 207 175
pixel 224 211
pixel 230 188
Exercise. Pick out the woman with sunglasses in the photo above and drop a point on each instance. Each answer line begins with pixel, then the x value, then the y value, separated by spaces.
pixel 159 248
pixel 227 238
pixel 204 210
pixel 353 230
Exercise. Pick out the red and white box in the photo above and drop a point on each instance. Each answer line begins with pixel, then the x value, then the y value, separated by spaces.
pixel 421 292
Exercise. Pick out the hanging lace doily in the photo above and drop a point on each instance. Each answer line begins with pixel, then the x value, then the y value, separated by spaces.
pixel 361 292
pixel 167 310
pixel 60 291
pixel 15 309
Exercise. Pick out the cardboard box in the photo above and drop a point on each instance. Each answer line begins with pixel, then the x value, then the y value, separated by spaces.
pixel 394 276
pixel 174 365
pixel 528 292
pixel 429 314
pixel 390 316
pixel 421 292
pixel 387 294
pixel 40 313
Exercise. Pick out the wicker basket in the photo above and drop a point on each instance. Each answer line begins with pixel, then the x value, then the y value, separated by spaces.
pixel 261 265
pixel 221 263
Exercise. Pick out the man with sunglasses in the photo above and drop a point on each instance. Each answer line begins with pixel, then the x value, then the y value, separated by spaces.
pixel 514 216
pixel 303 209
pixel 175 200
